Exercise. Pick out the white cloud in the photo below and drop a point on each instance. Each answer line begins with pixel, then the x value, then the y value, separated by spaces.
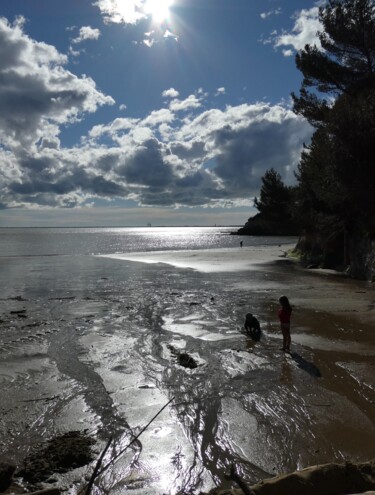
pixel 135 12
pixel 121 11
pixel 37 94
pixel 176 155
pixel 169 34
pixel 220 91
pixel 87 33
pixel 190 102
pixel 170 93
pixel 265 15
pixel 304 31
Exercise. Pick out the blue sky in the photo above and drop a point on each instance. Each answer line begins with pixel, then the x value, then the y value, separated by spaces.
pixel 129 112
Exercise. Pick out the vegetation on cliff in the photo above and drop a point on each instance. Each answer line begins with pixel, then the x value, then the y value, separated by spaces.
pixel 332 205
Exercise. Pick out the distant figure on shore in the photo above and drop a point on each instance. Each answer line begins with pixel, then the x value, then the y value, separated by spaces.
pixel 252 326
pixel 284 314
pixel 241 243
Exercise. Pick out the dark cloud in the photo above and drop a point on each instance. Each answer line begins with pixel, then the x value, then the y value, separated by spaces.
pixel 245 155
pixel 146 166
pixel 188 151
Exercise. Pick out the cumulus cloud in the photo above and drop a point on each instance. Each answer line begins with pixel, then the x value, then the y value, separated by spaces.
pixel 37 94
pixel 170 93
pixel 304 31
pixel 191 102
pixel 121 12
pixel 181 154
pixel 86 33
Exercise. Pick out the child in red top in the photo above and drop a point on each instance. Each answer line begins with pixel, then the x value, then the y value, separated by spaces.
pixel 284 313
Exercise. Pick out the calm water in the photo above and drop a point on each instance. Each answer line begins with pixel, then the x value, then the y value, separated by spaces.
pixel 86 241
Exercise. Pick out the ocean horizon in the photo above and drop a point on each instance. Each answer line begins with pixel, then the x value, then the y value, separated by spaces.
pixel 43 241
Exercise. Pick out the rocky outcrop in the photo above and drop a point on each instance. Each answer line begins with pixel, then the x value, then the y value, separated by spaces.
pixel 323 479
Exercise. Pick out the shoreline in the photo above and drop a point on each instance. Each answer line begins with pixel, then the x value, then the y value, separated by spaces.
pixel 210 260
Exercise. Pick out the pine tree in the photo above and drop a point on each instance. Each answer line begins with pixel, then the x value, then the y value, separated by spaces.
pixel 336 174
pixel 344 64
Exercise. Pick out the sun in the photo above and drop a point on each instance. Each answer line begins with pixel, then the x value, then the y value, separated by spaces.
pixel 158 9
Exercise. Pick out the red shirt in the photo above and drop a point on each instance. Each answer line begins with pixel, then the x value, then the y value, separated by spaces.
pixel 284 315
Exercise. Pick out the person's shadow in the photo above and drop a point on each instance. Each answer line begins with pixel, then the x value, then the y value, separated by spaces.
pixel 305 365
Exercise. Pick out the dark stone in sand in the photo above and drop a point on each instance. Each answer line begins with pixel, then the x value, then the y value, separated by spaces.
pixel 6 474
pixel 183 358
pixel 61 454
pixel 187 361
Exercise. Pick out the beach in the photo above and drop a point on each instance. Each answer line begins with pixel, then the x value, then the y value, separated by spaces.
pixel 91 344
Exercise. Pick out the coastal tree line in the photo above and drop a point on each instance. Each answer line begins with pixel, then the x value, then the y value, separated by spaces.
pixel 332 205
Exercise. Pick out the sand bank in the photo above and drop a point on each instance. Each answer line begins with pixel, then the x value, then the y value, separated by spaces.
pixel 211 260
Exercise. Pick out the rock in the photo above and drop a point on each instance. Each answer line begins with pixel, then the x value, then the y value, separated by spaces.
pixel 183 358
pixel 187 361
pixel 325 479
pixel 62 453
pixel 6 474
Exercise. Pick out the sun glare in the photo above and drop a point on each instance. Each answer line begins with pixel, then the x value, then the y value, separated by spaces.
pixel 158 9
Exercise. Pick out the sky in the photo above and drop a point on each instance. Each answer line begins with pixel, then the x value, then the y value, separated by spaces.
pixel 131 112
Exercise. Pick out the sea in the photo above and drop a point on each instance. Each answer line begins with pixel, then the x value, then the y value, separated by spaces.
pixel 115 240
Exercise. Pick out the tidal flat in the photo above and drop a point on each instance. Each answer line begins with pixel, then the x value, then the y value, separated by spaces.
pixel 90 344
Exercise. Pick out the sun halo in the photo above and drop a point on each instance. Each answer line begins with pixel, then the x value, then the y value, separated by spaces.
pixel 158 9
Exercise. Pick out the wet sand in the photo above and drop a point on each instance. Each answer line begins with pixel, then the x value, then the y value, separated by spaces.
pixel 86 346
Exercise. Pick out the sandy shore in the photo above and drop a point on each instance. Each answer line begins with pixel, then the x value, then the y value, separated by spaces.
pixel 211 260
pixel 93 354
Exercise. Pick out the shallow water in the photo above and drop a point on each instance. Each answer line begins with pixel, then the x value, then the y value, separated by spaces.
pixel 93 348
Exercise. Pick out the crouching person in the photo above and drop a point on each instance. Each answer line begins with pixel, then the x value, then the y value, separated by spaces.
pixel 252 326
